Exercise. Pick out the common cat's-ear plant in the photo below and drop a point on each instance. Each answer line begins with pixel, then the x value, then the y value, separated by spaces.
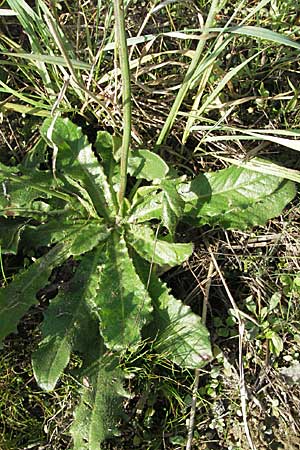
pixel 77 209
pixel 114 293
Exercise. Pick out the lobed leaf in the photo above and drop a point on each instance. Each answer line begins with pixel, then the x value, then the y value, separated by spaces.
pixel 100 405
pixel 147 205
pixel 181 335
pixel 122 303
pixel 172 205
pixel 20 294
pixel 154 250
pixel 75 157
pixel 67 315
pixel 235 198
pixel 10 231
pixel 85 235
pixel 147 165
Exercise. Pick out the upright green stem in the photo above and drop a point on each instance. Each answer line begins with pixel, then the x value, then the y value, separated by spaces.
pixel 121 45
pixel 188 77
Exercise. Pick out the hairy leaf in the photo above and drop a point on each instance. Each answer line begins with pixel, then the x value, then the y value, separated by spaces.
pixel 107 148
pixel 26 192
pixel 147 205
pixel 180 332
pixel 67 315
pixel 148 165
pixel 235 198
pixel 75 157
pixel 100 406
pixel 122 302
pixel 181 335
pixel 145 243
pixel 20 294
pixel 172 205
pixel 85 235
pixel 10 230
pixel 18 200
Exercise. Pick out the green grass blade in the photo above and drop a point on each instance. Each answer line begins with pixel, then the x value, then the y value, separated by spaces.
pixel 7 12
pixel 259 33
pixel 266 167
pixel 188 77
pixel 210 98
pixel 293 144
pixel 49 59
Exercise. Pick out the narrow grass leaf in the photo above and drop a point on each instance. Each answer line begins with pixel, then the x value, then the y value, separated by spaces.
pixel 262 33
pixel 225 80
pixel 7 12
pixel 266 167
pixel 293 144
pixel 49 59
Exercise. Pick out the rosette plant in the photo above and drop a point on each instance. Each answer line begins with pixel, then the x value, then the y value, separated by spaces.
pixel 71 201
pixel 115 297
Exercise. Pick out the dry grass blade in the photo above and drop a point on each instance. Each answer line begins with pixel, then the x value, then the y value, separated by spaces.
pixel 243 392
pixel 197 371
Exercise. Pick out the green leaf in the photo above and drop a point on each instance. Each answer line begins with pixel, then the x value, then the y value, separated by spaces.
pixel 172 205
pixel 147 205
pixel 21 189
pixel 36 155
pixel 122 302
pixel 75 157
pixel 100 406
pixel 20 294
pixel 266 167
pixel 49 59
pixel 80 201
pixel 145 243
pixel 10 230
pixel 181 335
pixel 85 235
pixel 107 147
pixel 67 315
pixel 15 199
pixel 147 165
pixel 261 33
pixel 235 198
pixel 275 342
